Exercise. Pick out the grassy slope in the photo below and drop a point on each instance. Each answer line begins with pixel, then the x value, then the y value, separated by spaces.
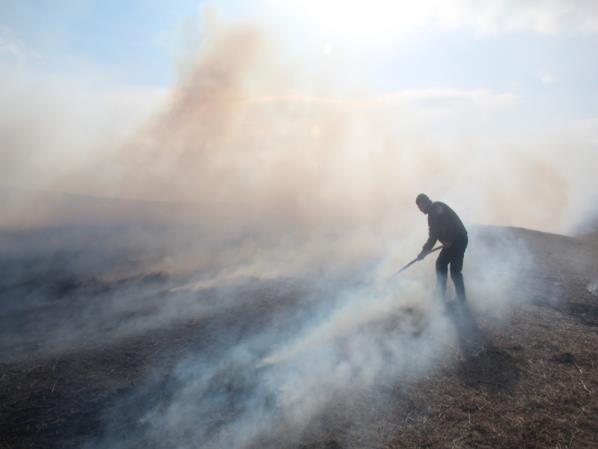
pixel 532 383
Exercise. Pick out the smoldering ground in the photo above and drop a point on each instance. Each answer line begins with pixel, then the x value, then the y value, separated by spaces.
pixel 263 186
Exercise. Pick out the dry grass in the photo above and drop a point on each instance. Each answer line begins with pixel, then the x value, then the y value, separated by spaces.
pixel 532 383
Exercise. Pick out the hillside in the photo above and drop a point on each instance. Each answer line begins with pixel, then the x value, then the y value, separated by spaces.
pixel 524 379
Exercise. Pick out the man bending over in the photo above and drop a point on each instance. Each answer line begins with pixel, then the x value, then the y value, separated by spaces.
pixel 446 226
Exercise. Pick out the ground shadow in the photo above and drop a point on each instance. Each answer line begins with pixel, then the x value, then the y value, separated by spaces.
pixel 484 365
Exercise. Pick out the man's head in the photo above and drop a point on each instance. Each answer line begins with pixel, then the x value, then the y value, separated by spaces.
pixel 423 202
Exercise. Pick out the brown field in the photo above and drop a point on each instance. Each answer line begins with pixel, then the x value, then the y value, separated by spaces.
pixel 527 381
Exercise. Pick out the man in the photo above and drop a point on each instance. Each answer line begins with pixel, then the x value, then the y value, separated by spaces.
pixel 445 226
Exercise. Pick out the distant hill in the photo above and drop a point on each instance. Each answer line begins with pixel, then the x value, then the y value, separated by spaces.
pixel 42 208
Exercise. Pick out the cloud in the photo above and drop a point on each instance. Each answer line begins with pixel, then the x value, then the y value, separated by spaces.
pixel 13 48
pixel 483 16
pixel 547 78
pixel 545 17
pixel 586 129
pixel 8 44
pixel 453 100
pixel 496 16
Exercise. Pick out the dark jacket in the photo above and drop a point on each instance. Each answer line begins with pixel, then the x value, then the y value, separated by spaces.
pixel 445 225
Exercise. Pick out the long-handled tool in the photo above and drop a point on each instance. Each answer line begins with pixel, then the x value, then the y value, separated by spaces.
pixel 416 259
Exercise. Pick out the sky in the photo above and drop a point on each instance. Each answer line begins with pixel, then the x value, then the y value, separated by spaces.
pixel 542 50
pixel 133 41
pixel 453 74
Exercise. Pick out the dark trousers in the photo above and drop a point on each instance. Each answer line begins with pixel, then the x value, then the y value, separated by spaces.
pixel 453 256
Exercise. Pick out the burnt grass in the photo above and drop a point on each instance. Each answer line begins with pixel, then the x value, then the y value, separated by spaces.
pixel 528 381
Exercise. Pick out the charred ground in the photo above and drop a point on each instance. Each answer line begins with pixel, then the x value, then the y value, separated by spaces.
pixel 530 381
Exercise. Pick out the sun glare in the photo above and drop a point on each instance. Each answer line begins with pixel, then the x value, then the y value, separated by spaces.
pixel 366 23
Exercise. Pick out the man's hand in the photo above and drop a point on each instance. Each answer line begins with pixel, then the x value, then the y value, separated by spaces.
pixel 421 255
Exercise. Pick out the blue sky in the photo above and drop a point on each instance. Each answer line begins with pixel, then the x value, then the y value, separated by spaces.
pixel 543 54
pixel 557 72
pixel 139 42
pixel 546 55
pixel 135 40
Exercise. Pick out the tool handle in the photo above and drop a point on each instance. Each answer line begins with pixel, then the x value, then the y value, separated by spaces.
pixel 438 248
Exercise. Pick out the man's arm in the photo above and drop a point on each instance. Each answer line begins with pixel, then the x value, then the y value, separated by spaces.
pixel 432 237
